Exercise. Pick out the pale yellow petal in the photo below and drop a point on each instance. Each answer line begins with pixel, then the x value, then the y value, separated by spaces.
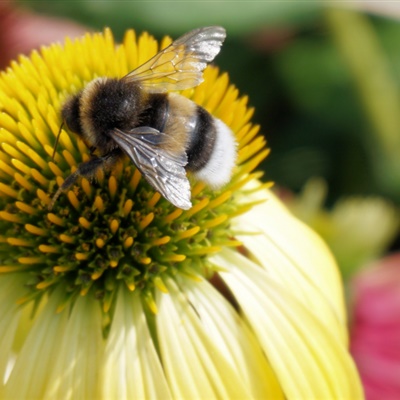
pixel 296 257
pixel 233 339
pixel 75 341
pixel 132 368
pixel 10 314
pixel 194 366
pixel 308 358
pixel 80 347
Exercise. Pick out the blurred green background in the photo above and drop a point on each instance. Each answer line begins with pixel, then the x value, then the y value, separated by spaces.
pixel 324 83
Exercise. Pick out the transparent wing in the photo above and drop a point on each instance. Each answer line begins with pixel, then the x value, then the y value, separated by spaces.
pixel 180 66
pixel 162 169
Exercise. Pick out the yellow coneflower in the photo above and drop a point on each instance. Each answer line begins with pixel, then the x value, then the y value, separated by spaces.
pixel 115 293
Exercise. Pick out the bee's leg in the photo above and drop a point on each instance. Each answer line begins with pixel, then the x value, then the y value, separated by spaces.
pixel 87 170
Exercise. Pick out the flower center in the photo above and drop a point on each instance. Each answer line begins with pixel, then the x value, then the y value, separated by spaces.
pixel 117 229
pixel 114 230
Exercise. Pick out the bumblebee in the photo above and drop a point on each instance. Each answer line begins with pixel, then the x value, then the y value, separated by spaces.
pixel 164 134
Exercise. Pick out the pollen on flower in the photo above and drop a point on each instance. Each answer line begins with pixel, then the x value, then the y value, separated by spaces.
pixel 115 230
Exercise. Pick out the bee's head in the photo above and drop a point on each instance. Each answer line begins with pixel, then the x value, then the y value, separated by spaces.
pixel 71 115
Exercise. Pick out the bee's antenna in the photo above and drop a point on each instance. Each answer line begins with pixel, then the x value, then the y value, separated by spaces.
pixel 57 139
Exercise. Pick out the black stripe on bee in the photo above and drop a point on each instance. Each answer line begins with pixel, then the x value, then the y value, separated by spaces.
pixel 201 140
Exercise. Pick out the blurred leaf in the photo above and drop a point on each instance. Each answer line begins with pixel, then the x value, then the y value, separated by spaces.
pixel 373 76
pixel 322 127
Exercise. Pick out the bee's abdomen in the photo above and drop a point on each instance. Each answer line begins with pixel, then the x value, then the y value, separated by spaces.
pixel 201 140
pixel 209 144
pixel 212 150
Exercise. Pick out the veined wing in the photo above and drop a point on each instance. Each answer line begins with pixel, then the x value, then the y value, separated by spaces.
pixel 180 65
pixel 162 169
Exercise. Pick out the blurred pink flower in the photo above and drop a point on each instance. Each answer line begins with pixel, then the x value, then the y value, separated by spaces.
pixel 375 334
pixel 21 31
